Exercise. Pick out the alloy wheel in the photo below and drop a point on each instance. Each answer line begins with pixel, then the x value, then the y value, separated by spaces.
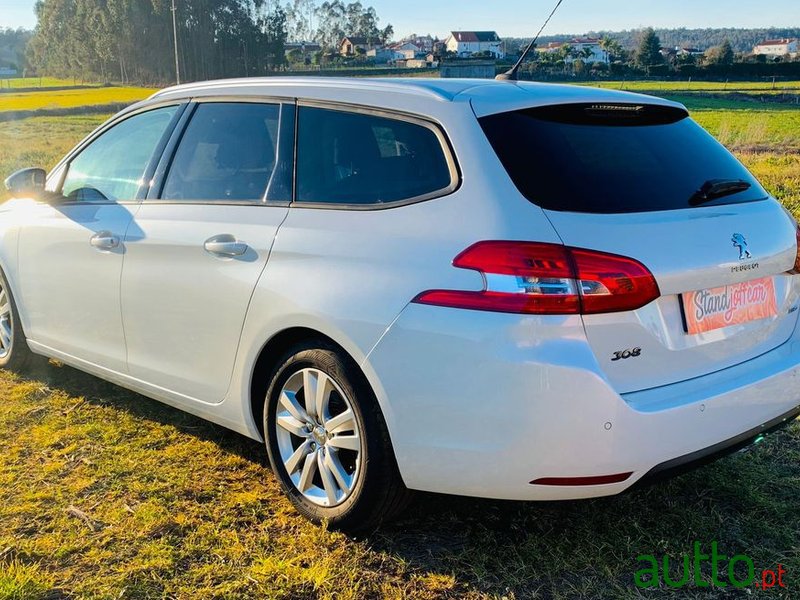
pixel 318 436
pixel 6 323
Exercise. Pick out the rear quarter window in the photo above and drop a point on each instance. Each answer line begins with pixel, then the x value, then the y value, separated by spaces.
pixel 612 158
pixel 355 158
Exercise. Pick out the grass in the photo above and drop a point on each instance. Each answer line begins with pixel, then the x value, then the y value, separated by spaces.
pixel 106 494
pixel 19 581
pixel 116 496
pixel 41 141
pixel 700 86
pixel 25 101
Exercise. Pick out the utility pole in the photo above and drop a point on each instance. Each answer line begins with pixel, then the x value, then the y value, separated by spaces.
pixel 175 39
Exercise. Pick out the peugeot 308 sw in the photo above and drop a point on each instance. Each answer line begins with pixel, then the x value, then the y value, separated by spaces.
pixel 494 289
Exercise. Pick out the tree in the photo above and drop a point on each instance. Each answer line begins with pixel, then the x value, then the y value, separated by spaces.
pixel 720 55
pixel 611 47
pixel 337 20
pixel 648 52
pixel 300 20
pixel 274 29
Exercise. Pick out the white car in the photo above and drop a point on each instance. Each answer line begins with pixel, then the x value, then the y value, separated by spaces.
pixel 482 288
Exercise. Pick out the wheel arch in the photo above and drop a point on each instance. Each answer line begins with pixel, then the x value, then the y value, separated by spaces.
pixel 267 361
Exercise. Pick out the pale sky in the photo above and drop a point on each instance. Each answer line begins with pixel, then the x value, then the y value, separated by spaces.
pixel 524 17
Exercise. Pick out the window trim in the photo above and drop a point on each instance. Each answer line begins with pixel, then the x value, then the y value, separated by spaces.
pixel 168 155
pixel 397 115
pixel 147 179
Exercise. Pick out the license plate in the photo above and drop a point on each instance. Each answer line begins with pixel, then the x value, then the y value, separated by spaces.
pixel 706 310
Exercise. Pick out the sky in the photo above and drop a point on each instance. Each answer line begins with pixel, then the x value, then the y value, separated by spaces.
pixel 524 17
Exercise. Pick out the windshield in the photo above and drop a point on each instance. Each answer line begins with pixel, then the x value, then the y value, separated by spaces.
pixel 613 158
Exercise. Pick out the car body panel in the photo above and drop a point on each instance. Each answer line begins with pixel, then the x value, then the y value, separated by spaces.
pixel 184 307
pixel 490 414
pixel 68 288
pixel 687 250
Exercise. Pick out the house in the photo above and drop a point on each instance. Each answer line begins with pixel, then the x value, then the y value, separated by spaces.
pixel 353 45
pixel 423 42
pixel 688 51
pixel 383 56
pixel 406 49
pixel 587 49
pixel 468 43
pixel 777 48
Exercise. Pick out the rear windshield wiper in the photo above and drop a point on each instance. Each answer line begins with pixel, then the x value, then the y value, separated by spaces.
pixel 717 188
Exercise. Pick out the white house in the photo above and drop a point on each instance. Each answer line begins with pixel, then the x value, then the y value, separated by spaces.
pixel 584 48
pixel 406 49
pixel 779 47
pixel 423 42
pixel 384 55
pixel 467 43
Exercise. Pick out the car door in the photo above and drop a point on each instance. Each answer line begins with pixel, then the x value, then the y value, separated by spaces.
pixel 71 249
pixel 199 244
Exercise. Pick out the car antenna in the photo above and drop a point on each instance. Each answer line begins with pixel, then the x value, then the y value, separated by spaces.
pixel 511 74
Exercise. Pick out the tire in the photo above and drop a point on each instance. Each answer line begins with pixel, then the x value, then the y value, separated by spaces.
pixel 339 468
pixel 14 352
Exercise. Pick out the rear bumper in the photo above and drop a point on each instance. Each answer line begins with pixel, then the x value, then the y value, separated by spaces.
pixel 481 404
pixel 683 464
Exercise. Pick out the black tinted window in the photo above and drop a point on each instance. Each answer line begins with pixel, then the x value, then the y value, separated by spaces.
pixel 355 158
pixel 112 166
pixel 228 152
pixel 608 159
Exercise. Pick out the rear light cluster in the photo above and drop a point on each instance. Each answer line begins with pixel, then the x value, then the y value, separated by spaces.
pixel 548 279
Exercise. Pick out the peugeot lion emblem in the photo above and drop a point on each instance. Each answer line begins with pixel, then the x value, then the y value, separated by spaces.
pixel 741 243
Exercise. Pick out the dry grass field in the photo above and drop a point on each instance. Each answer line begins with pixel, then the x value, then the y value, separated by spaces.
pixel 107 494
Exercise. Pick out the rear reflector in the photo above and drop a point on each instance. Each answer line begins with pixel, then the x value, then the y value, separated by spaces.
pixel 542 278
pixel 572 481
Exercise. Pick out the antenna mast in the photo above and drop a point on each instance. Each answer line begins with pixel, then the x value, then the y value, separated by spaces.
pixel 511 74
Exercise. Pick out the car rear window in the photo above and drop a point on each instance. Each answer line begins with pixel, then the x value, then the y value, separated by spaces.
pixel 612 158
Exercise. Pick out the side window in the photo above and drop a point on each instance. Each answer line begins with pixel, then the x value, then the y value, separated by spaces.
pixel 229 152
pixel 356 158
pixel 112 166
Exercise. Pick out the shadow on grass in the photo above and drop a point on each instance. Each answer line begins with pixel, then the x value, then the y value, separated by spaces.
pixel 746 502
pixel 98 391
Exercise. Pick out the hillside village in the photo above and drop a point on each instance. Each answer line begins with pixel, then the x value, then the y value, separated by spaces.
pixel 426 51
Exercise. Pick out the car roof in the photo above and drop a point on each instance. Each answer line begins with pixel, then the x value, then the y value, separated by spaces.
pixel 487 96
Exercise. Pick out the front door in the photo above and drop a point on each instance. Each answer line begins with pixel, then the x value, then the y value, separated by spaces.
pixel 71 251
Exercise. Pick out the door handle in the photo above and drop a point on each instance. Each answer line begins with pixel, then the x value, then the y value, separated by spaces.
pixel 104 240
pixel 225 245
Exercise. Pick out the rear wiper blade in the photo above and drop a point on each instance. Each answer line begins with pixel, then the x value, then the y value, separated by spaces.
pixel 717 188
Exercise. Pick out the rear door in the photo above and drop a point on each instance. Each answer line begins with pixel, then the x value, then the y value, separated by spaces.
pixel 648 183
pixel 199 244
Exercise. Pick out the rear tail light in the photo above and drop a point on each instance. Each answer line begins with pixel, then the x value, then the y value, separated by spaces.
pixel 541 278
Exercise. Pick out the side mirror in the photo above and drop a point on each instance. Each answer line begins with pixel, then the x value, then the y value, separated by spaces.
pixel 27 183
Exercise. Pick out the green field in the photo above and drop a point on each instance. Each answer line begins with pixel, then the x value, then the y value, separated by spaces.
pixel 700 86
pixel 106 494
pixel 40 100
